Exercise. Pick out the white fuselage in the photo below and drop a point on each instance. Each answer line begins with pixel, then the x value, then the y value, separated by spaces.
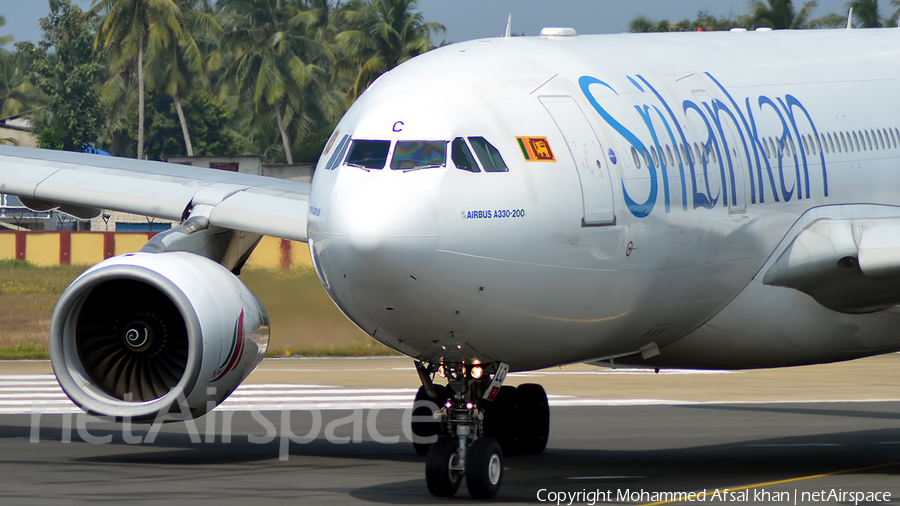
pixel 600 250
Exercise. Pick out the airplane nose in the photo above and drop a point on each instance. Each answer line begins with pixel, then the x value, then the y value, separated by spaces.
pixel 383 234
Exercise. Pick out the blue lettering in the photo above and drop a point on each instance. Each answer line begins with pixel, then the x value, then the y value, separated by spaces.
pixel 639 210
pixel 782 145
pixel 728 125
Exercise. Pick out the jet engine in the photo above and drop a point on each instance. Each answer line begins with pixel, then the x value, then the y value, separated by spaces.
pixel 150 336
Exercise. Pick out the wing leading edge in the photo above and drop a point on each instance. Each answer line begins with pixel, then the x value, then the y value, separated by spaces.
pixel 78 182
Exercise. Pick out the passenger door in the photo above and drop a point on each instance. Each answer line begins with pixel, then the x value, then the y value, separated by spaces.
pixel 588 157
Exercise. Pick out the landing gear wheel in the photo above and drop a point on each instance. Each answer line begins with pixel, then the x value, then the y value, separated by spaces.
pixel 484 468
pixel 500 420
pixel 424 429
pixel 533 418
pixel 442 481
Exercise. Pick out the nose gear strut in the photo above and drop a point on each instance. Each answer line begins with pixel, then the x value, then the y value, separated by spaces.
pixel 477 420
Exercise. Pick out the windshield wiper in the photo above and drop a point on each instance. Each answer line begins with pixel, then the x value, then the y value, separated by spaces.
pixel 423 167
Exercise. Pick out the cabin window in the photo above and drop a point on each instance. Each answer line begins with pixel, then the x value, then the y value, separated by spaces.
pixel 646 156
pixel 766 146
pixel 893 139
pixel 669 152
pixel 880 139
pixel 805 145
pixel 868 139
pixel 697 155
pixel 462 156
pixel 772 146
pixel 856 141
pixel 338 154
pixel 843 141
pixel 488 155
pixel 367 154
pixel 898 136
pixel 653 154
pixel 637 159
pixel 414 155
pixel 831 143
pixel 812 144
pixel 792 148
pixel 684 154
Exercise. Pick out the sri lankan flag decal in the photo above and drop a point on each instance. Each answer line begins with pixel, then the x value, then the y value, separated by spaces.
pixel 536 149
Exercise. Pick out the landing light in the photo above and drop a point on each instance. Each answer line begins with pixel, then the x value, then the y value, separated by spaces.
pixel 469 405
pixel 477 372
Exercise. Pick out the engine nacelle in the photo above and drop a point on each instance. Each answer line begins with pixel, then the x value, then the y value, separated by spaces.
pixel 156 336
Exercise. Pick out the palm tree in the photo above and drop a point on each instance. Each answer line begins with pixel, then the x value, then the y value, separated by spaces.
pixel 178 68
pixel 16 91
pixel 778 14
pixel 6 38
pixel 127 28
pixel 865 13
pixel 274 57
pixel 382 35
pixel 892 22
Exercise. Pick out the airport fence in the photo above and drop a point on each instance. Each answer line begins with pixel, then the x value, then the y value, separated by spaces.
pixel 54 248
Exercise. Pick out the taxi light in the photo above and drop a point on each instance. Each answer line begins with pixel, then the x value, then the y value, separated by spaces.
pixel 475 361
pixel 469 405
pixel 477 371
pixel 448 405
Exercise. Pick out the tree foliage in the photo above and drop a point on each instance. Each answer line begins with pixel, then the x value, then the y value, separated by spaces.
pixel 704 22
pixel 381 34
pixel 210 124
pixel 65 67
pixel 269 77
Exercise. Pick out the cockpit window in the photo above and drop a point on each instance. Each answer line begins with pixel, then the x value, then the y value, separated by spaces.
pixel 488 155
pixel 368 154
pixel 338 154
pixel 462 156
pixel 413 155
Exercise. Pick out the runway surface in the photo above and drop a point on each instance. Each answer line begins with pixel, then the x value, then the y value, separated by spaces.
pixel 759 433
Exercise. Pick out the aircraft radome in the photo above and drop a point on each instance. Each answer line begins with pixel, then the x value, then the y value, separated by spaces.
pixel 695 200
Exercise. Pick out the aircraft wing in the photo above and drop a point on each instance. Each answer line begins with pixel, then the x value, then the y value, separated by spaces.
pixel 80 184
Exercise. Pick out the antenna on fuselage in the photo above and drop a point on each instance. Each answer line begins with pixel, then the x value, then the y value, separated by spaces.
pixel 850 19
pixel 508 26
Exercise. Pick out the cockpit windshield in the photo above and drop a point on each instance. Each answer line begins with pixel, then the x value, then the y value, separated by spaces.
pixel 368 154
pixel 414 155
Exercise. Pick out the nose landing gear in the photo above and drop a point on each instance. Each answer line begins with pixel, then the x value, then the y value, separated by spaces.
pixel 478 422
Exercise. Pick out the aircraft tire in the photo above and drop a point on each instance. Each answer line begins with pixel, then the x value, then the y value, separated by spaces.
pixel 427 429
pixel 501 420
pixel 484 468
pixel 533 418
pixel 441 480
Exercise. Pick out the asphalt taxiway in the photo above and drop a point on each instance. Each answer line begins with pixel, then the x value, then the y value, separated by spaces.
pixel 770 437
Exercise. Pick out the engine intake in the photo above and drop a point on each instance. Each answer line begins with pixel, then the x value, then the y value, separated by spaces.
pixel 156 336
